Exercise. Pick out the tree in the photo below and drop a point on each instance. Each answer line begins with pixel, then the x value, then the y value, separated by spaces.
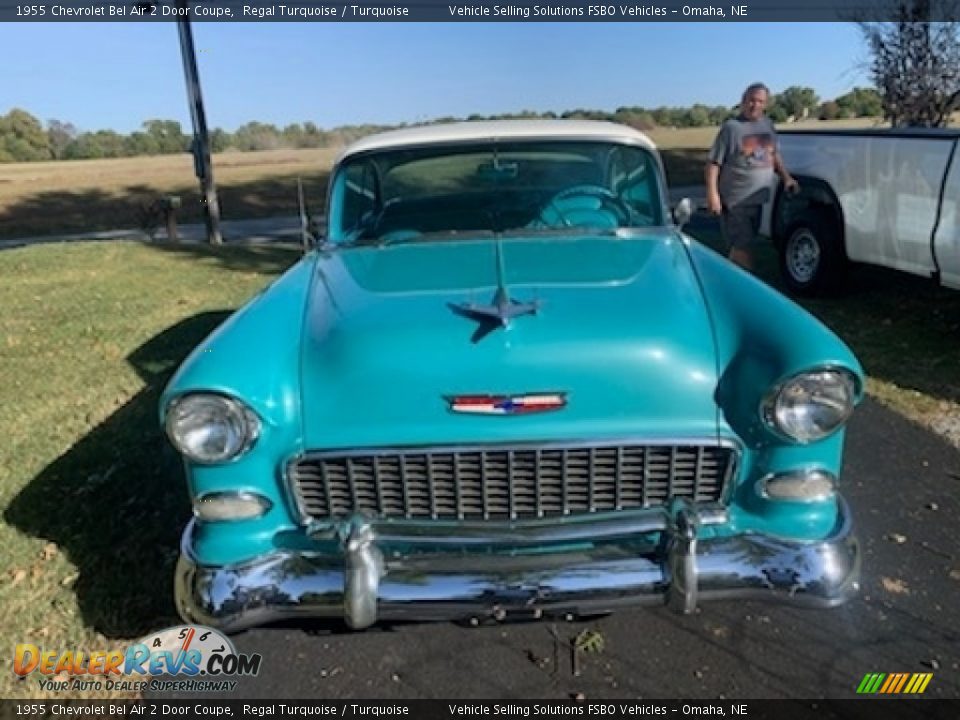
pixel 256 136
pixel 720 113
pixel 860 102
pixel 141 143
pixel 830 110
pixel 915 64
pixel 798 101
pixel 22 137
pixel 666 117
pixel 168 136
pixel 59 134
pixel 698 116
pixel 220 140
pixel 635 117
pixel 776 111
pixel 101 144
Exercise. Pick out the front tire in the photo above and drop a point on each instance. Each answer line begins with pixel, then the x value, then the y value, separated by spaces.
pixel 812 258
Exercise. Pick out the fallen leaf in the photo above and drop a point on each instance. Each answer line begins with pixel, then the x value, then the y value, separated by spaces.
pixel 49 551
pixel 895 586
pixel 70 579
pixel 720 632
pixel 589 641
pixel 17 576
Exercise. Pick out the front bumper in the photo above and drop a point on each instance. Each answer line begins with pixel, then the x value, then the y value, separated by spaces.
pixel 439 575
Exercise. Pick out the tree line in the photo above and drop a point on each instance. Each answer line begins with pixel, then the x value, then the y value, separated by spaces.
pixel 24 138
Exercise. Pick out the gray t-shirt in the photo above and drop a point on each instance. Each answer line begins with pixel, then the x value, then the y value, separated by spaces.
pixel 744 151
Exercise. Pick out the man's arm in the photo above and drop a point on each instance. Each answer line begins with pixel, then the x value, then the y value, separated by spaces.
pixel 711 176
pixel 789 182
pixel 716 156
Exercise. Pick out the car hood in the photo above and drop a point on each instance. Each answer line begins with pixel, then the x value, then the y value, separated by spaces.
pixel 620 329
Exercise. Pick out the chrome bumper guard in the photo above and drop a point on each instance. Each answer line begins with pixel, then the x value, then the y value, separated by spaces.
pixel 436 577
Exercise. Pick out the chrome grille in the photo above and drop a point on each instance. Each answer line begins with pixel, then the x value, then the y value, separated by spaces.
pixel 499 483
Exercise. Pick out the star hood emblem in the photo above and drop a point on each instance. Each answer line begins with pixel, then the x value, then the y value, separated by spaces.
pixel 501 309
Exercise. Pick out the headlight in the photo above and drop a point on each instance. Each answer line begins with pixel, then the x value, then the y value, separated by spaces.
pixel 811 405
pixel 211 428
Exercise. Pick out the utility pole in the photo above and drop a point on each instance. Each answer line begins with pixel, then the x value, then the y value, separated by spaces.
pixel 203 167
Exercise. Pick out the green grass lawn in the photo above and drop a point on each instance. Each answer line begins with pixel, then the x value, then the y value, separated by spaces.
pixel 91 494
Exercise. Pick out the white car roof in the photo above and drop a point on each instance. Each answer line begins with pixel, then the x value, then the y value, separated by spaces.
pixel 499 130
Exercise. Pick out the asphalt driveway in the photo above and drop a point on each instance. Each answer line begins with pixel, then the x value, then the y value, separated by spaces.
pixel 904 485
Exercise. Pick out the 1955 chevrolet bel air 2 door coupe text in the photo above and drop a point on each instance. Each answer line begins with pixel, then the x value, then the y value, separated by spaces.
pixel 505 383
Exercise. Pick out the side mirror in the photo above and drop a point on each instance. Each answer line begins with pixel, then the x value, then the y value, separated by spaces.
pixel 682 212
pixel 313 238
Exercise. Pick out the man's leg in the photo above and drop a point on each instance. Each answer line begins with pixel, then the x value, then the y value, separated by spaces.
pixel 740 226
pixel 742 257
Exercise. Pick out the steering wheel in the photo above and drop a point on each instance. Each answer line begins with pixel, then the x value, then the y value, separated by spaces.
pixel 586 205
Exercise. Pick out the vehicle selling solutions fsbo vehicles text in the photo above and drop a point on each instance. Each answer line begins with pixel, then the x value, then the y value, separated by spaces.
pixel 591 11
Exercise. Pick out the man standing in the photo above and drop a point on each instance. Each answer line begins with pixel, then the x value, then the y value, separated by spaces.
pixel 739 173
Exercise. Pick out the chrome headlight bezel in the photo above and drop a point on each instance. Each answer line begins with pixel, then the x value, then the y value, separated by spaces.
pixel 240 420
pixel 837 380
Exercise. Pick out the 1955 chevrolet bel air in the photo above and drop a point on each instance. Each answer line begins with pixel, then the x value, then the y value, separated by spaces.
pixel 504 383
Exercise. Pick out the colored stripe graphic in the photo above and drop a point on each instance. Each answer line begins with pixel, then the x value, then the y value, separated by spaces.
pixel 894 683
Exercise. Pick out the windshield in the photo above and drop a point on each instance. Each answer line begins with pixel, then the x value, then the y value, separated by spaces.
pixel 448 191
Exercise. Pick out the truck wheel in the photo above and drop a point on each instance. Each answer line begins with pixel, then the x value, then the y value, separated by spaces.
pixel 812 258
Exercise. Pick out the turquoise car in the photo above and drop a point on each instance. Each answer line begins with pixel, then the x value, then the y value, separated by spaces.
pixel 504 384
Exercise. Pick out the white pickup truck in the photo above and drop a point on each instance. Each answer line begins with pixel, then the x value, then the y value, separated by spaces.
pixel 883 197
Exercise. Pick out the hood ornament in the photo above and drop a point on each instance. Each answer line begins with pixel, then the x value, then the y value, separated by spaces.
pixel 501 309
pixel 507 404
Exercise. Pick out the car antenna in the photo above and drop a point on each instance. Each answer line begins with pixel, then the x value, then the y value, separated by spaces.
pixel 305 235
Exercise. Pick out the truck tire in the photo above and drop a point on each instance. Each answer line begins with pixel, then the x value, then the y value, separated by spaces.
pixel 812 258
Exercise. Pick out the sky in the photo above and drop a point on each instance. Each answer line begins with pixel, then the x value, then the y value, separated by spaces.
pixel 117 75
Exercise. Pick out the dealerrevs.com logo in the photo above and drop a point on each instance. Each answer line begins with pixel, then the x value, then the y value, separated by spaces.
pixel 187 657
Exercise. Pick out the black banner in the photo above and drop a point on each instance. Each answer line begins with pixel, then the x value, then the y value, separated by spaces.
pixel 258 11
pixel 867 709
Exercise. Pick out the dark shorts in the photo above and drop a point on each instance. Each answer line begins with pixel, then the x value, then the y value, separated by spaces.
pixel 740 225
